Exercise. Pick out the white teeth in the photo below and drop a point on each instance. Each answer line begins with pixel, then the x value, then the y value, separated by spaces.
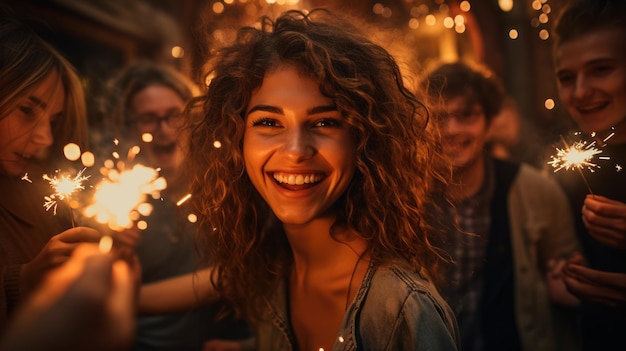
pixel 590 107
pixel 297 179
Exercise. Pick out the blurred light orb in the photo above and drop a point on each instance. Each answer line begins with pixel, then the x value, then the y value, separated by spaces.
pixel 218 7
pixel 192 218
pixel 147 137
pixel 142 225
pixel 88 159
pixel 71 151
pixel 178 51
pixel 465 6
pixel 505 5
pixel 431 20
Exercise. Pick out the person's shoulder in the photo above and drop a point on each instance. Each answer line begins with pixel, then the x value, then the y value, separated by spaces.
pixel 400 280
pixel 402 299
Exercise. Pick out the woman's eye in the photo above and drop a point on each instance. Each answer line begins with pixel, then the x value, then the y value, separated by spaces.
pixel 26 110
pixel 265 122
pixel 328 122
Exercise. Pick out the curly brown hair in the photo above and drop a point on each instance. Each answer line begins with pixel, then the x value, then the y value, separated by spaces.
pixel 391 200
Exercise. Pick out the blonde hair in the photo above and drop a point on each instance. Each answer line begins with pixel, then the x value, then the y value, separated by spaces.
pixel 26 61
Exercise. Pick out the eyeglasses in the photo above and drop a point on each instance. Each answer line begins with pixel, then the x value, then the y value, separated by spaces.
pixel 150 121
pixel 468 115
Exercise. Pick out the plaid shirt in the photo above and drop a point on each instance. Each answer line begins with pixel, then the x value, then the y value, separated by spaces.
pixel 468 249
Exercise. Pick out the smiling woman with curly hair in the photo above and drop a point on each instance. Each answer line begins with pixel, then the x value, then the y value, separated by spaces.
pixel 316 179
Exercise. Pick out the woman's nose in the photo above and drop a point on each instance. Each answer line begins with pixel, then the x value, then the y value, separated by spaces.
pixel 299 145
pixel 42 134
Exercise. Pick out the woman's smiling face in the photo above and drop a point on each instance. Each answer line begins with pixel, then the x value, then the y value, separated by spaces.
pixel 298 150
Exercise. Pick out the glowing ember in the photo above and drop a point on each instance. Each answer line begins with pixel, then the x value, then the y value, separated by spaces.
pixel 183 199
pixel 25 178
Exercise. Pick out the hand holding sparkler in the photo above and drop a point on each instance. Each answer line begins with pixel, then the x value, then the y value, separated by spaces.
pixel 56 251
pixel 85 304
pixel 605 220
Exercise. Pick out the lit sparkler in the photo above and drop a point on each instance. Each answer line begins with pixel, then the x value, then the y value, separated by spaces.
pixel 578 156
pixel 121 197
pixel 64 186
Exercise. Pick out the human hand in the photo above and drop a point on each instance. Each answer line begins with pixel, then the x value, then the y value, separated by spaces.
pixel 129 238
pixel 88 303
pixel 557 290
pixel 605 219
pixel 593 285
pixel 56 251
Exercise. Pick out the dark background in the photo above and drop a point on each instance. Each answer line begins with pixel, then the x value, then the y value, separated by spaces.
pixel 101 36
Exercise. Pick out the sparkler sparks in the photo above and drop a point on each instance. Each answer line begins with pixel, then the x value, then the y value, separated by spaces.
pixel 25 178
pixel 577 156
pixel 120 198
pixel 63 186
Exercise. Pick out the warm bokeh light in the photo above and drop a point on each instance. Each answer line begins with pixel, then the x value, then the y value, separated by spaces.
pixel 147 137
pixel 448 22
pixel 192 218
pixel 87 159
pixel 71 151
pixel 430 20
pixel 218 7
pixel 505 5
pixel 544 34
pixel 549 104
pixel 465 6
pixel 178 52
pixel 106 244
pixel 142 225
pixel 513 34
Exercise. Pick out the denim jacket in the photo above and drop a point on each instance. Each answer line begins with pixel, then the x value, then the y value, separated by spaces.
pixel 394 309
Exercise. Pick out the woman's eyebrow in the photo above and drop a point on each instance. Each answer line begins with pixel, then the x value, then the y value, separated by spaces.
pixel 321 109
pixel 266 108
pixel 37 101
